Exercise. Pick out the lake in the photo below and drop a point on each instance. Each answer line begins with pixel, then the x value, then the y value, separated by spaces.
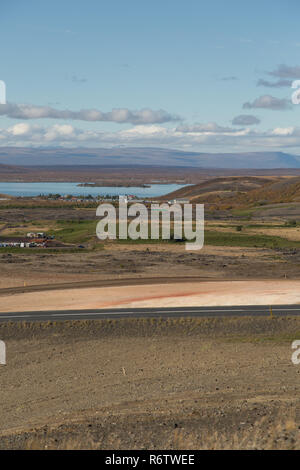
pixel 34 189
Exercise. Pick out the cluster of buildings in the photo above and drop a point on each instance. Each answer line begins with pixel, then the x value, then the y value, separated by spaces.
pixel 66 198
pixel 179 201
pixel 22 244
pixel 130 198
pixel 126 198
pixel 39 236
pixel 32 240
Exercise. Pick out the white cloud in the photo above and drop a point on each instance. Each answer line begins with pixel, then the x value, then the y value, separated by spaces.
pixel 208 128
pixel 283 131
pixel 19 129
pixel 144 131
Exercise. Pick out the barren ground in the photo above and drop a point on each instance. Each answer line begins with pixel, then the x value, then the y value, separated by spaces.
pixel 218 383
pixel 186 383
pixel 187 294
pixel 137 261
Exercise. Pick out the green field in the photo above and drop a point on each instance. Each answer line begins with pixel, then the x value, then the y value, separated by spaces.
pixel 71 231
pixel 84 231
pixel 244 240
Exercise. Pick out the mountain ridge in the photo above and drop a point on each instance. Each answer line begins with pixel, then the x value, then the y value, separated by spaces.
pixel 141 156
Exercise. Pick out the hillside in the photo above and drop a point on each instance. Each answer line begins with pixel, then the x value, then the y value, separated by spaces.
pixel 11 169
pixel 221 188
pixel 242 191
pixel 285 190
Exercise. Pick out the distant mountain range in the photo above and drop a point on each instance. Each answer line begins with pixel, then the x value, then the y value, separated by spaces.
pixel 145 156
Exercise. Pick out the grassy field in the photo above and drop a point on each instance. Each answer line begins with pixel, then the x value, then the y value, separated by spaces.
pixel 76 232
pixel 245 240
pixel 79 231
pixel 216 238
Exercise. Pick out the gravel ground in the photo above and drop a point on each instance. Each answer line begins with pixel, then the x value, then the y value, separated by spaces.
pixel 201 383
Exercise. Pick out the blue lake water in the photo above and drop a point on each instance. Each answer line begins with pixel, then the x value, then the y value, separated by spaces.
pixel 34 189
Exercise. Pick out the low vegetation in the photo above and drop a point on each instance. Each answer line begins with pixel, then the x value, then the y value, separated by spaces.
pixel 75 231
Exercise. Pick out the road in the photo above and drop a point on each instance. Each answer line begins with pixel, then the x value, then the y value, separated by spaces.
pixel 236 311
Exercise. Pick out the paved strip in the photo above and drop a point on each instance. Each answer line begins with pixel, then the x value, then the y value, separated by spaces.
pixel 168 312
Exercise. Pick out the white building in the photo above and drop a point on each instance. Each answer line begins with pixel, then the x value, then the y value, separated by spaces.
pixel 123 199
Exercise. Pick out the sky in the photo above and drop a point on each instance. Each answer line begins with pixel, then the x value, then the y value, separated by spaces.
pixel 185 74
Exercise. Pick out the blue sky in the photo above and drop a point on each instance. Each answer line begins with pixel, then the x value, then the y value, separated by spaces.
pixel 194 66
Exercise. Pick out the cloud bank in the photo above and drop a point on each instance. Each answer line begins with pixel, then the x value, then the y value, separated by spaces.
pixel 65 135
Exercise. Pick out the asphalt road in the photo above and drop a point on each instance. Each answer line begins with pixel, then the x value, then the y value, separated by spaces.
pixel 236 311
